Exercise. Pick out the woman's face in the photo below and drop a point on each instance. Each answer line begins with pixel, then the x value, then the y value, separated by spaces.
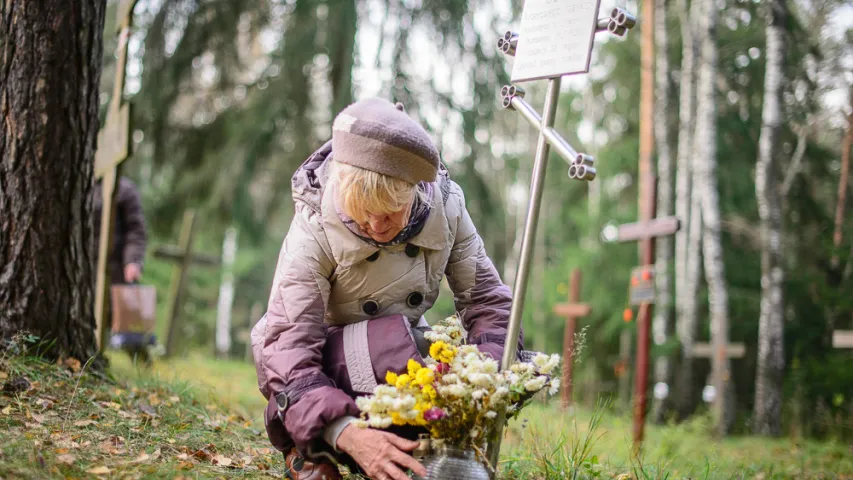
pixel 385 227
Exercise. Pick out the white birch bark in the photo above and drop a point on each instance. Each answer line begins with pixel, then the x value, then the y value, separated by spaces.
pixel 662 322
pixel 685 293
pixel 771 361
pixel 705 153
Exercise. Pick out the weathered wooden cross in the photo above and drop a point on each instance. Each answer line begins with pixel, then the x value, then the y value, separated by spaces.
pixel 113 148
pixel 555 39
pixel 842 339
pixel 572 311
pixel 645 232
pixel 183 255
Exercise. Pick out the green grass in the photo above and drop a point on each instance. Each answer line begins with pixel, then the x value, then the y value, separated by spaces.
pixel 187 417
pixel 147 425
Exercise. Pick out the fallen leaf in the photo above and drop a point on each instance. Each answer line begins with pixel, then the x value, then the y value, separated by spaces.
pixel 142 458
pixel 67 459
pixel 186 465
pixel 246 460
pixel 7 410
pixel 38 418
pixel 102 470
pixel 17 385
pixel 148 410
pixel 4 375
pixel 84 423
pixel 44 403
pixel 32 425
pixel 174 399
pixel 73 364
pixel 183 457
pixel 222 460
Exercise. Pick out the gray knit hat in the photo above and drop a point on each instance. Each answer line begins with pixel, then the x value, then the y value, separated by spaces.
pixel 376 135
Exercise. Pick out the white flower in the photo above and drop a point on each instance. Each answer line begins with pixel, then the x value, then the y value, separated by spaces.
pixel 490 366
pixel 546 363
pixel 475 433
pixel 454 390
pixel 555 386
pixel 379 421
pixel 536 384
pixel 360 424
pixel 478 394
pixel 450 378
pixel 491 414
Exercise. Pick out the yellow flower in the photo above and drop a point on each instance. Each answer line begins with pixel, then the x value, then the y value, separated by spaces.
pixel 402 381
pixel 413 366
pixel 397 419
pixel 442 352
pixel 424 376
pixel 391 378
pixel 429 392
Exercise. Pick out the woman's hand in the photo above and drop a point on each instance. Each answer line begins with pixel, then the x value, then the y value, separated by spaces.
pixel 382 455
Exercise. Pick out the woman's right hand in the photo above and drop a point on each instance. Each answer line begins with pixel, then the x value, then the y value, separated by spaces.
pixel 382 455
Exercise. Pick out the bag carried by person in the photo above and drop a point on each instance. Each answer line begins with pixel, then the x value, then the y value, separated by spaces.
pixel 134 315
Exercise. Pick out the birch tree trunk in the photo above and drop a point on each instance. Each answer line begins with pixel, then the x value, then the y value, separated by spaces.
pixel 771 361
pixel 686 323
pixel 705 153
pixel 662 323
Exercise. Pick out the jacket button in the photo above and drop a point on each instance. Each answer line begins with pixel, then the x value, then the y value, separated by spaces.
pixel 414 299
pixel 412 250
pixel 370 307
pixel 373 257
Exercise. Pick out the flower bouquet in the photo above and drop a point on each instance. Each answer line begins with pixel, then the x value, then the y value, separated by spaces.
pixel 456 394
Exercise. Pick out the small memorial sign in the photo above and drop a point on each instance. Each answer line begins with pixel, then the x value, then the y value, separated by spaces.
pixel 555 38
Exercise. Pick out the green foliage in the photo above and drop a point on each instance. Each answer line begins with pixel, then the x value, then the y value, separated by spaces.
pixel 234 96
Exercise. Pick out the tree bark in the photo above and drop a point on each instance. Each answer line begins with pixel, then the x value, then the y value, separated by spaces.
pixel 705 153
pixel 685 290
pixel 662 323
pixel 49 72
pixel 771 361
pixel 342 27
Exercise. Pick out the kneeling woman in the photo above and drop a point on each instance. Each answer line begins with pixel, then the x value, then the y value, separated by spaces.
pixel 378 225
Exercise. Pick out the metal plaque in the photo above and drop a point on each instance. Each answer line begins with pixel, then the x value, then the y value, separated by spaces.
pixel 642 285
pixel 555 38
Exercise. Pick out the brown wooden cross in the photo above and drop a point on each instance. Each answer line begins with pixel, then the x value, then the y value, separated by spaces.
pixel 842 339
pixel 572 311
pixel 113 148
pixel 645 232
pixel 183 255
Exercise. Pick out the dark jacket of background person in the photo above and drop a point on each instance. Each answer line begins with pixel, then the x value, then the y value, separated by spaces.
pixel 129 234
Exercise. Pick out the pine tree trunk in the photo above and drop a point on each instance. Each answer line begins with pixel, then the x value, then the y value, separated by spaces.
pixel 342 26
pixel 50 66
pixel 662 323
pixel 684 295
pixel 706 164
pixel 771 361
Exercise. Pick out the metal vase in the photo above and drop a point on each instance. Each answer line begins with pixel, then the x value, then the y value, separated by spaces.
pixel 448 463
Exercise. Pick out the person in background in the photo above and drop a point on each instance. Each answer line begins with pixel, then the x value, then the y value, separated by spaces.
pixel 125 260
pixel 129 235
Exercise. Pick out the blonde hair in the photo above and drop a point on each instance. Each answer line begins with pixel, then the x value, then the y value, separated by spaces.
pixel 363 191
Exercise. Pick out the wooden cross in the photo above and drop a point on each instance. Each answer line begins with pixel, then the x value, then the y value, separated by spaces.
pixel 645 232
pixel 572 311
pixel 842 339
pixel 183 255
pixel 113 148
pixel 706 350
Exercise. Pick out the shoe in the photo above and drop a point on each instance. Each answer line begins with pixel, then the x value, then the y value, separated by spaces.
pixel 297 468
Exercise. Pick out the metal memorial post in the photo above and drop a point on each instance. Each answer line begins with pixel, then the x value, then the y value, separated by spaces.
pixel 555 39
